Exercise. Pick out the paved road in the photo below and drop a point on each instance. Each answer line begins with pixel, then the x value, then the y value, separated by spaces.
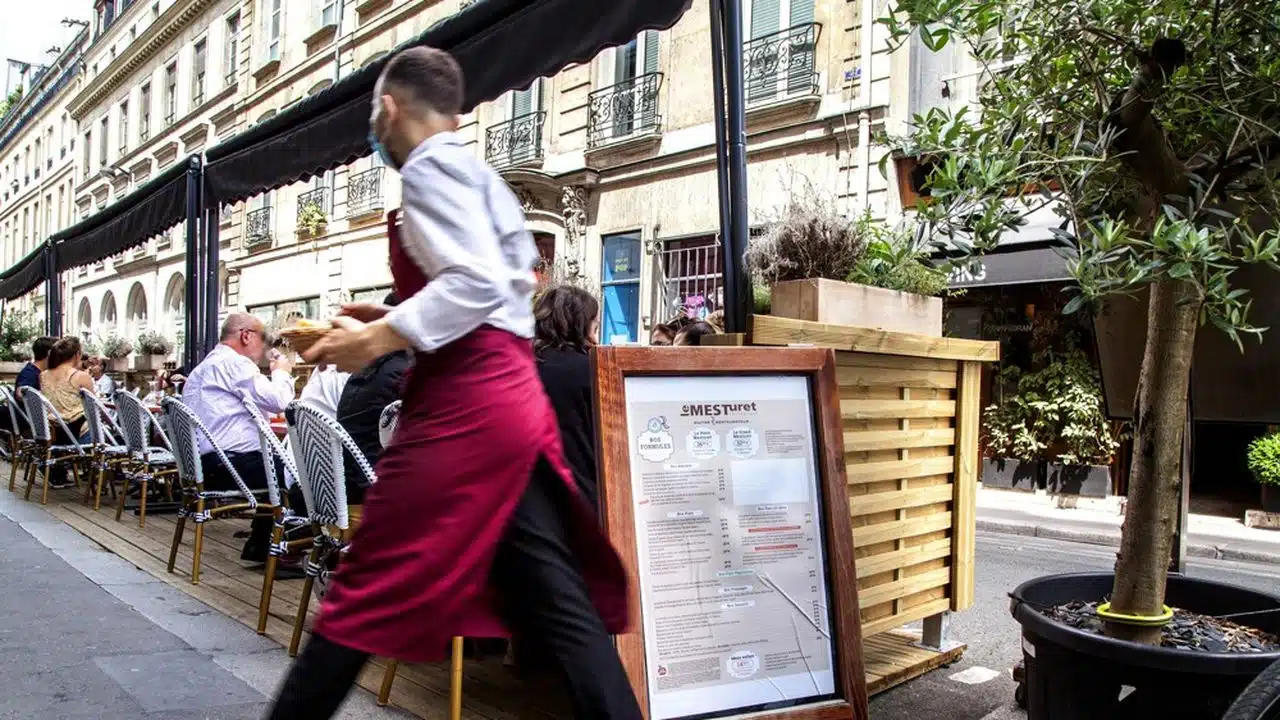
pixel 1003 562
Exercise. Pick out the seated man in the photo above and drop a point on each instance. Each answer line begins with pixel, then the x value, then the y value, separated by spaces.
pixel 29 376
pixel 214 391
pixel 366 393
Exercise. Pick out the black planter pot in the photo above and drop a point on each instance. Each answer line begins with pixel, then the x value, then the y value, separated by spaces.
pixel 1012 474
pixel 1084 480
pixel 1076 675
pixel 1271 498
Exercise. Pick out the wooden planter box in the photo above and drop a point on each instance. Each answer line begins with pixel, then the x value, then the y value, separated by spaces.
pixel 861 306
pixel 911 410
pixel 118 364
pixel 148 362
pixel 11 367
pixel 1083 480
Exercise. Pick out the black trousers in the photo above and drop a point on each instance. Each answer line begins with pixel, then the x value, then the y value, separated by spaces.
pixel 250 469
pixel 544 598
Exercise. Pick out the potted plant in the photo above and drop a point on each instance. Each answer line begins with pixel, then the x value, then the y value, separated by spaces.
pixel 816 264
pixel 1264 463
pixel 1152 150
pixel 116 349
pixel 1012 441
pixel 1071 412
pixel 312 220
pixel 153 348
pixel 19 328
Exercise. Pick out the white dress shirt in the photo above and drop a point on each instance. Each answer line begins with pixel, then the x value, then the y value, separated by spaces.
pixel 104 386
pixel 324 389
pixel 214 390
pixel 465 230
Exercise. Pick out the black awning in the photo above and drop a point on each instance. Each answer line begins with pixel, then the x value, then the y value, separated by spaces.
pixel 132 220
pixel 500 44
pixel 24 276
pixel 1014 266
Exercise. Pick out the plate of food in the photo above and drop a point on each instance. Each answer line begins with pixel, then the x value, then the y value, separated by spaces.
pixel 305 333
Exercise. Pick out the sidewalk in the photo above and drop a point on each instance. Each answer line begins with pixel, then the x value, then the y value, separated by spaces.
pixel 86 634
pixel 1098 523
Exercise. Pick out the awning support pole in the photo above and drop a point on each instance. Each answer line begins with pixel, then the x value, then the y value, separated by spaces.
pixel 212 285
pixel 731 154
pixel 722 147
pixel 52 293
pixel 194 268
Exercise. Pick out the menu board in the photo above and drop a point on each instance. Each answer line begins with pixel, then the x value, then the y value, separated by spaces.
pixel 729 541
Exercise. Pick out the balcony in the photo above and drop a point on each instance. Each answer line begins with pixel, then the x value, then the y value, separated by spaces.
pixel 364 193
pixel 624 111
pixel 781 66
pixel 313 212
pixel 257 229
pixel 516 141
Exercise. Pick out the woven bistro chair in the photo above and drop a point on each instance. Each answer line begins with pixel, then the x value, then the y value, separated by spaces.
pixel 45 455
pixel 203 505
pixel 20 441
pixel 286 518
pixel 318 442
pixel 107 450
pixel 147 462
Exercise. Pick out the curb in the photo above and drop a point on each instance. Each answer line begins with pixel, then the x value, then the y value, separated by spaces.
pixel 1112 539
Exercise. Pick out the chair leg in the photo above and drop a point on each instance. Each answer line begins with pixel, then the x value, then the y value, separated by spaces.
pixel 388 677
pixel 142 504
pixel 48 470
pixel 455 681
pixel 124 494
pixel 269 574
pixel 177 536
pixel 304 604
pixel 13 471
pixel 29 478
pixel 97 488
pixel 199 544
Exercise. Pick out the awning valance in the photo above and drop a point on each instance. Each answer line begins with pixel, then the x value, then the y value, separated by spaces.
pixel 501 45
pixel 25 275
pixel 1012 266
pixel 135 218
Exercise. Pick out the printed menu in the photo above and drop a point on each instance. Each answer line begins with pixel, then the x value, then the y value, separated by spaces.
pixel 729 539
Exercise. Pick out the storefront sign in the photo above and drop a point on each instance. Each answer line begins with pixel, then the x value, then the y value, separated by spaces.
pixel 731 520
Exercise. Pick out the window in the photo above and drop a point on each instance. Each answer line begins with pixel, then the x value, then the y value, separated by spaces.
pixel 133 33
pixel 48 214
pixel 102 142
pixel 37 171
pixel 288 311
pixel 690 278
pixel 233 47
pixel 155 10
pixel 124 128
pixel 328 12
pixel 199 65
pixel 779 53
pixel 370 295
pixel 620 285
pixel 144 113
pixel 170 94
pixel 88 145
pixel 272 29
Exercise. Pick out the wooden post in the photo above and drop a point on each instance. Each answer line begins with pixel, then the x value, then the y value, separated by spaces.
pixel 965 484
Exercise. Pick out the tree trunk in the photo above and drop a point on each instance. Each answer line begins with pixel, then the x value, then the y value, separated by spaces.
pixel 1160 413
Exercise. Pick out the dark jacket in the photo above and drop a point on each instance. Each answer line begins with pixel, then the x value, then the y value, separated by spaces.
pixel 366 393
pixel 29 376
pixel 566 376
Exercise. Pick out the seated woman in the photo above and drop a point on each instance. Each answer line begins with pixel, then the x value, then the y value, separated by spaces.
pixel 691 335
pixel 62 383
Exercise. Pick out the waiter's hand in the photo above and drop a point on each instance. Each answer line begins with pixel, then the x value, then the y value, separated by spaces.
pixel 365 312
pixel 351 344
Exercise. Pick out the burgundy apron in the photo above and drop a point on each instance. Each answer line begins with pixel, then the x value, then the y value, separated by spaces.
pixel 473 423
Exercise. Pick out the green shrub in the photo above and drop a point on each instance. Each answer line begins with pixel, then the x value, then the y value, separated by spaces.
pixel 20 327
pixel 1264 459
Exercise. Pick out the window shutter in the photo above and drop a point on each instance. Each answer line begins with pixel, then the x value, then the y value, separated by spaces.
pixel 522 102
pixel 650 51
pixel 801 13
pixel 800 75
pixel 766 17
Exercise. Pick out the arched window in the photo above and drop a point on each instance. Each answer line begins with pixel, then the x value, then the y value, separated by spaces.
pixel 136 310
pixel 175 303
pixel 84 318
pixel 107 314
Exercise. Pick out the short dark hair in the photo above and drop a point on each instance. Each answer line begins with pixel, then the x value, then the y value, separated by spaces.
pixel 430 76
pixel 41 346
pixel 562 318
pixel 694 332
pixel 64 351
pixel 391 300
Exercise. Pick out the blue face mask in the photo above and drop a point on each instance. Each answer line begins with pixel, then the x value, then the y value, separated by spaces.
pixel 381 150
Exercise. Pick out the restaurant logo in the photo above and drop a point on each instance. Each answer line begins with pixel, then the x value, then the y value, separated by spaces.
pixel 716 409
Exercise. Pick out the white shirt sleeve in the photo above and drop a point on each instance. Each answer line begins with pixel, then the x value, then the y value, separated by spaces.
pixel 449 232
pixel 272 395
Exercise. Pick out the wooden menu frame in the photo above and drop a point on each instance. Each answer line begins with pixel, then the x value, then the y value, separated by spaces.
pixel 610 368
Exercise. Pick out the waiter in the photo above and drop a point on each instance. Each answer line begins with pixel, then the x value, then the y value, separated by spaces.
pixel 474 527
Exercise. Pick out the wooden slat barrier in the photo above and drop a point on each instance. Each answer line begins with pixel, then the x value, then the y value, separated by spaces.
pixel 910 406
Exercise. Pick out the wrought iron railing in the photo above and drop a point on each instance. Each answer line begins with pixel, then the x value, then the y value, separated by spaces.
pixel 624 110
pixel 364 192
pixel 515 141
pixel 257 228
pixel 313 205
pixel 781 65
pixel 688 277
pixel 170 117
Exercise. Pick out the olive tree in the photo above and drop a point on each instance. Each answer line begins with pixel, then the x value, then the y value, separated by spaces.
pixel 1151 128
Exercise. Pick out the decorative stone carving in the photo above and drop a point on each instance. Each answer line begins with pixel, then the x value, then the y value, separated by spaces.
pixel 573 207
pixel 527 200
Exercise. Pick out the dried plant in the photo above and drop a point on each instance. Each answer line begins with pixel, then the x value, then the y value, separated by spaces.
pixel 810 240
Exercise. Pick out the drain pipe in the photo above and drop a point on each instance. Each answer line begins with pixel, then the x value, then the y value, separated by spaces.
pixel 864 99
